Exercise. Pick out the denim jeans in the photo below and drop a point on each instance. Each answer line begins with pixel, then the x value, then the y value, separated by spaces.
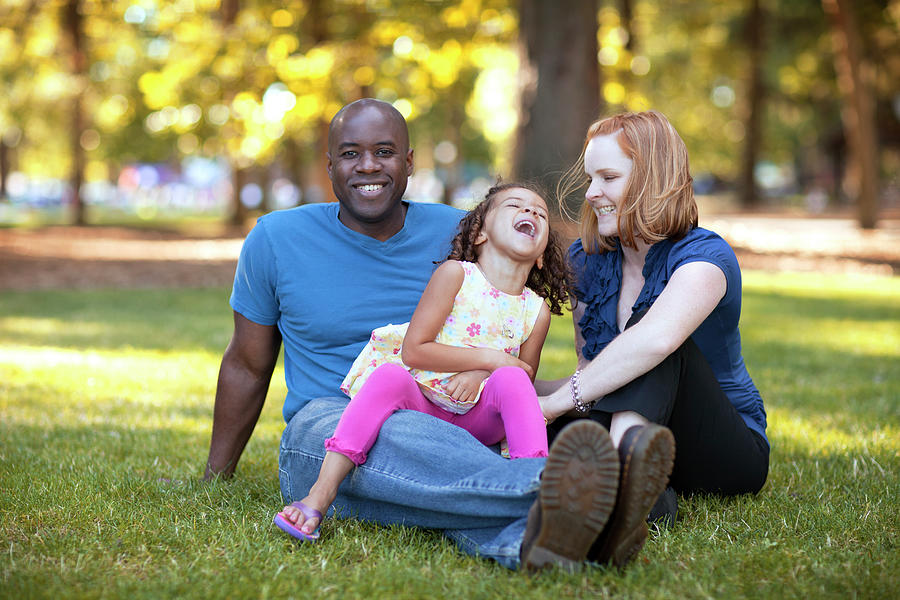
pixel 421 472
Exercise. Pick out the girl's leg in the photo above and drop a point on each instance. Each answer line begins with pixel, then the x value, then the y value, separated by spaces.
pixel 335 468
pixel 389 388
pixel 508 406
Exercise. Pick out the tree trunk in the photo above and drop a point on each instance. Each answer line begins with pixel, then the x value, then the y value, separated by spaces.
pixel 559 87
pixel 857 112
pixel 237 212
pixel 319 188
pixel 755 94
pixel 74 24
pixel 452 133
pixel 4 169
pixel 626 17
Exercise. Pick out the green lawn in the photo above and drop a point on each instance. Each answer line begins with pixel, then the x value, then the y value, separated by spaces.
pixel 105 413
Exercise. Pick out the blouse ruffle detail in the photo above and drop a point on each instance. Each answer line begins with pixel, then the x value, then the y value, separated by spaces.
pixel 599 279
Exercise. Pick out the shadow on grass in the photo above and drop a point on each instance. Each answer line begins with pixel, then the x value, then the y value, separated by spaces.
pixel 168 320
pixel 46 464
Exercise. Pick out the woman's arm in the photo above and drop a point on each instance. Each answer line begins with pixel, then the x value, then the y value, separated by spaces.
pixel 420 351
pixel 692 293
pixel 545 387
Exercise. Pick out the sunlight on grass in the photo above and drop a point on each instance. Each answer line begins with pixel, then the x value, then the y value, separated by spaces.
pixel 823 285
pixel 13 327
pixel 823 435
pixel 106 402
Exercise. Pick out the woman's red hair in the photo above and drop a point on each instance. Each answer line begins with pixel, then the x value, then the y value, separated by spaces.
pixel 658 200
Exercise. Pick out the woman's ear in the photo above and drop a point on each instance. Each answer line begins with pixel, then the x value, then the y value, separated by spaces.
pixel 540 262
pixel 480 238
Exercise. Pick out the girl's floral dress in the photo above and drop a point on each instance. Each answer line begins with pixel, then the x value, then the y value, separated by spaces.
pixel 482 317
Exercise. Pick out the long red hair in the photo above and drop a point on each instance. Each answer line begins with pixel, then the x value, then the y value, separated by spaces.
pixel 658 200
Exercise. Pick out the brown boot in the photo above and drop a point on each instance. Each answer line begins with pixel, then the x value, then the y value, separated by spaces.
pixel 578 491
pixel 647 454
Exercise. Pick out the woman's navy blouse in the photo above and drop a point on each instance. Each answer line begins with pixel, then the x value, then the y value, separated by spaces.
pixel 598 277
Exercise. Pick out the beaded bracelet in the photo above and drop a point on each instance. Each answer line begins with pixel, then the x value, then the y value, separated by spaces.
pixel 581 407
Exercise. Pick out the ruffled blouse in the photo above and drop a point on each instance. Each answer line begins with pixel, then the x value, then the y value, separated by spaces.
pixel 598 280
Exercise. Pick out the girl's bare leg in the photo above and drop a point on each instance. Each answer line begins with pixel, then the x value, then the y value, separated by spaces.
pixel 335 467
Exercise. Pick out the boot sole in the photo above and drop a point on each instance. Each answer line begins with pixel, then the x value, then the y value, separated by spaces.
pixel 645 475
pixel 577 495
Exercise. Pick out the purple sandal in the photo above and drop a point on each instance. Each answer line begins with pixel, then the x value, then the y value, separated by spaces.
pixel 289 527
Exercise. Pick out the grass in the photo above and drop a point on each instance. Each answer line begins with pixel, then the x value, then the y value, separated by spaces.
pixel 105 413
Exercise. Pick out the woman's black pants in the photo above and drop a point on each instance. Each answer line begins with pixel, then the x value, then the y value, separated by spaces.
pixel 715 451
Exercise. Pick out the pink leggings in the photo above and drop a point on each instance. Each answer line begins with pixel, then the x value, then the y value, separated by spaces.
pixel 508 407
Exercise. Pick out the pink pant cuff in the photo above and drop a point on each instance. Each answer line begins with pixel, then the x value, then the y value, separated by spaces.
pixel 334 445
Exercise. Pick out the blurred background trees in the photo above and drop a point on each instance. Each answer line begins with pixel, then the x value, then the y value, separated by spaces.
pixel 221 107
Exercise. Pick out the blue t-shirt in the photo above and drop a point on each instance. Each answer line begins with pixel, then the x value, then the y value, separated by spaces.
pixel 327 287
pixel 598 277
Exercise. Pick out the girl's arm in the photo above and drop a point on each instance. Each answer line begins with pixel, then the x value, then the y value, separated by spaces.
pixel 692 293
pixel 530 350
pixel 420 351
pixel 464 386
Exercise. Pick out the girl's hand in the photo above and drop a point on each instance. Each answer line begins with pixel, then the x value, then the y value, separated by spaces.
pixel 463 387
pixel 499 358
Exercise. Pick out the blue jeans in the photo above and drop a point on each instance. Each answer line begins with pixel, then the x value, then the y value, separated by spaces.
pixel 421 472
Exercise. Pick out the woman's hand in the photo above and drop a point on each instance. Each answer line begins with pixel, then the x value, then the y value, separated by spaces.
pixel 555 405
pixel 463 387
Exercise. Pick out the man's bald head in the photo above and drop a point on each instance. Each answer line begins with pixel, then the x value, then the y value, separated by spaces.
pixel 387 111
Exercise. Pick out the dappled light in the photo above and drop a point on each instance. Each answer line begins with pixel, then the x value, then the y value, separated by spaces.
pixel 141 139
pixel 253 84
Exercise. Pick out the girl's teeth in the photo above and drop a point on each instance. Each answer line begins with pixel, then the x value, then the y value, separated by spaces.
pixel 525 227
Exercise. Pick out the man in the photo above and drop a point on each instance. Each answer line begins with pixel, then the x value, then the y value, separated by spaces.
pixel 320 278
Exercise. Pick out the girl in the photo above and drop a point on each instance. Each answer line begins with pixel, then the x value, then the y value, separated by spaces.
pixel 469 353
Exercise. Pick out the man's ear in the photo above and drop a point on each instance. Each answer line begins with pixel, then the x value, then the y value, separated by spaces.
pixel 410 163
pixel 329 165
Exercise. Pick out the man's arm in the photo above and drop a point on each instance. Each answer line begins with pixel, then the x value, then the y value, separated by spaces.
pixel 240 392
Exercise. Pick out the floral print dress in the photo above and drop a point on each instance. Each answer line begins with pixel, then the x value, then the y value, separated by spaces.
pixel 482 317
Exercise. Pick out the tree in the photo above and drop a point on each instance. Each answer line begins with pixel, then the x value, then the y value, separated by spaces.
pixel 78 63
pixel 857 114
pixel 560 86
pixel 753 100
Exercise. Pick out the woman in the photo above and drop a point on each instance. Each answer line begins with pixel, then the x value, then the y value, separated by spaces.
pixel 656 332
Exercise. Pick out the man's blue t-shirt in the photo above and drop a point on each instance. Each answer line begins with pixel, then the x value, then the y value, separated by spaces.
pixel 598 277
pixel 327 287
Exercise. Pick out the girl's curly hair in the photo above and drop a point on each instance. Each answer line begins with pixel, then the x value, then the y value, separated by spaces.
pixel 553 281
